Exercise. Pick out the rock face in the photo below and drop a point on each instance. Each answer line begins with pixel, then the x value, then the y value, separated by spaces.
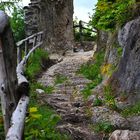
pixel 101 39
pixel 127 78
pixel 112 46
pixel 55 18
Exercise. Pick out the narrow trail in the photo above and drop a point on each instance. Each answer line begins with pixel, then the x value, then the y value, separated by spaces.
pixel 66 98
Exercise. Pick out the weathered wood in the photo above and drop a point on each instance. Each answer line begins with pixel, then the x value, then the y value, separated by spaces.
pixel 18 118
pixel 22 81
pixel 80 31
pixel 28 38
pixel 8 80
pixel 19 54
pixel 17 122
pixel 26 47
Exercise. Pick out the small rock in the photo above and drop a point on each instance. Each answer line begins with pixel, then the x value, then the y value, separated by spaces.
pixel 125 135
pixel 118 121
pixel 40 91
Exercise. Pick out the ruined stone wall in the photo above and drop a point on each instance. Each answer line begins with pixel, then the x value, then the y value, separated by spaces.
pixel 55 17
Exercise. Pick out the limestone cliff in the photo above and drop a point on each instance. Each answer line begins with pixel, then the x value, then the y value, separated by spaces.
pixel 127 77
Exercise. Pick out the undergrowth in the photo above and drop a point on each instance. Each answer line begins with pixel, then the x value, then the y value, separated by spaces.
pixel 34 66
pixel 41 122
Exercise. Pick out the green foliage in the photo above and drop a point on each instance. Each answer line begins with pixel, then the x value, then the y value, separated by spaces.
pixel 17 23
pixel 92 71
pixel 132 110
pixel 16 14
pixel 34 63
pixel 59 79
pixel 104 127
pixel 110 14
pixel 42 120
pixel 41 123
pixel 119 51
pixel 49 89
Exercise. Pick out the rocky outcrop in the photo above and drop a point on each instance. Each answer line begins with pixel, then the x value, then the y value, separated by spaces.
pixel 55 18
pixel 127 78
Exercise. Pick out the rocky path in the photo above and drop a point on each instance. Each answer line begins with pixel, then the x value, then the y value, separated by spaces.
pixel 66 98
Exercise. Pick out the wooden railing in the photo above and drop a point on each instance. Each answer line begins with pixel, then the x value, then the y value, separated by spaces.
pixel 14 87
pixel 32 40
pixel 83 26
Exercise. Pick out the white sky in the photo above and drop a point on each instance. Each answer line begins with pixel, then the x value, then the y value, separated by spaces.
pixel 81 8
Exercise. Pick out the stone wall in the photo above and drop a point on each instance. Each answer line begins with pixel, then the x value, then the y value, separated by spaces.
pixel 55 17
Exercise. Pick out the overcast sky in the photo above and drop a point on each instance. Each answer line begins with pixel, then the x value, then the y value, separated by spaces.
pixel 81 8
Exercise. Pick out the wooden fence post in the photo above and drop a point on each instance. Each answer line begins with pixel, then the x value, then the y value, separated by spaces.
pixel 80 31
pixel 19 54
pixel 8 78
